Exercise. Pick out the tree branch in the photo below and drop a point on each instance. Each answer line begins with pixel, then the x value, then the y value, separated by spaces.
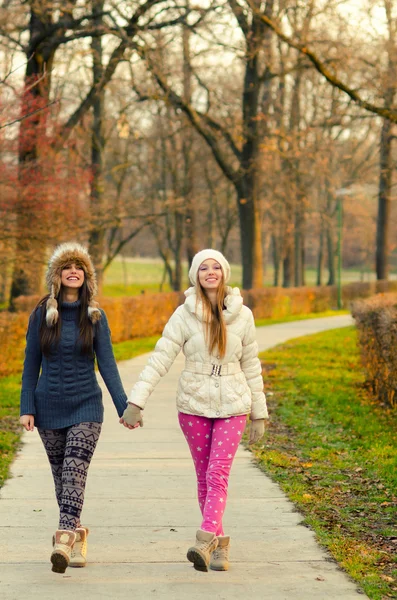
pixel 24 117
pixel 238 12
pixel 196 118
pixel 111 256
pixel 319 65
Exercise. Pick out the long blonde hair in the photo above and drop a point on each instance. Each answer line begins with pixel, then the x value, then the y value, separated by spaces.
pixel 214 324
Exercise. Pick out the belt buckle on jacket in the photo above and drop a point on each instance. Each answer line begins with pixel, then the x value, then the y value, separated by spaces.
pixel 216 370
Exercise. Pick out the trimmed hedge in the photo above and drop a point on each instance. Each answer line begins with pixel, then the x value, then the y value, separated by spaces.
pixel 274 303
pixel 145 315
pixel 376 320
pixel 12 341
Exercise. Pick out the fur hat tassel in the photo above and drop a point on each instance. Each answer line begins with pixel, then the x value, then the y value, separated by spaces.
pixel 93 312
pixel 65 254
pixel 51 316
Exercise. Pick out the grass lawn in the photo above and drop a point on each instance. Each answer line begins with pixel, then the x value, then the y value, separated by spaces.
pixel 327 313
pixel 334 452
pixel 10 430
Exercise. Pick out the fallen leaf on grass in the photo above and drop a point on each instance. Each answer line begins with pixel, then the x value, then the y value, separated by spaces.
pixel 387 578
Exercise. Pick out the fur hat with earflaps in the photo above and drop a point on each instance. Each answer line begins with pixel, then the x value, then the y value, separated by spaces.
pixel 64 255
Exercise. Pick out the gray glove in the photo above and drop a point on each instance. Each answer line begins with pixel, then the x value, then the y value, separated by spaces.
pixel 133 415
pixel 257 430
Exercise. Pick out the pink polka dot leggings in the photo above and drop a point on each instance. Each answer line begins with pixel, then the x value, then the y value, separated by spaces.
pixel 213 444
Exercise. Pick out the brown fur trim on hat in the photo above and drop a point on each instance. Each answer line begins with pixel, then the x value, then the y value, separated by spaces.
pixel 63 255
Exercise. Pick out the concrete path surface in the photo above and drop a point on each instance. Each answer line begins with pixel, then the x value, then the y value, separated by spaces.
pixel 142 510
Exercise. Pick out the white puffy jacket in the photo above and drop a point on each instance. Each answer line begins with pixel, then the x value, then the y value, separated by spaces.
pixel 200 393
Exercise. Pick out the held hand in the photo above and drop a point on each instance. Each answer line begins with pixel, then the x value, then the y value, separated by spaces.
pixel 257 430
pixel 132 417
pixel 27 421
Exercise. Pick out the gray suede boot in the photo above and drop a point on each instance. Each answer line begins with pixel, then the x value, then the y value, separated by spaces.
pixel 200 553
pixel 220 556
pixel 63 542
pixel 78 557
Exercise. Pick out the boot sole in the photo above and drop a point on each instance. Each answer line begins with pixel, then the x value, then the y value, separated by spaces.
pixel 77 565
pixel 197 559
pixel 59 562
pixel 219 568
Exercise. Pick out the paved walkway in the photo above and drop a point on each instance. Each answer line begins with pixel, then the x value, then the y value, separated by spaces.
pixel 142 510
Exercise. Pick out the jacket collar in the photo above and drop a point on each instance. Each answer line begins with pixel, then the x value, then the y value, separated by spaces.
pixel 233 304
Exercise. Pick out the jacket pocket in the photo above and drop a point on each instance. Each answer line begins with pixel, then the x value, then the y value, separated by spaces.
pixel 236 394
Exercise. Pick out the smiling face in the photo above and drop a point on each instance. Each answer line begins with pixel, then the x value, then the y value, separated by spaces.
pixel 210 274
pixel 72 276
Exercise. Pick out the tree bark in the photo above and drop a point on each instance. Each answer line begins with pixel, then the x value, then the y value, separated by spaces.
pixel 386 158
pixel 320 257
pixel 30 233
pixel 97 231
pixel 248 187
pixel 288 266
pixel 276 261
pixel 384 202
pixel 192 245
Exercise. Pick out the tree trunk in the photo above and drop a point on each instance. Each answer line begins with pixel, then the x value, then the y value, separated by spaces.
pixel 298 247
pixel 320 258
pixel 251 240
pixel 247 187
pixel 288 265
pixel 177 250
pixel 97 232
pixel 276 261
pixel 386 159
pixel 192 245
pixel 30 231
pixel 384 202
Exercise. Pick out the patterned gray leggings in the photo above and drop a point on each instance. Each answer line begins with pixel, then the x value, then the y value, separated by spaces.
pixel 70 451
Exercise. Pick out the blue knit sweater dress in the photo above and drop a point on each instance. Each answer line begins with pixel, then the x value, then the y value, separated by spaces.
pixel 66 392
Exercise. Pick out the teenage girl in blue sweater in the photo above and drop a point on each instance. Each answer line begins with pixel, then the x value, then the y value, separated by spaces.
pixel 66 332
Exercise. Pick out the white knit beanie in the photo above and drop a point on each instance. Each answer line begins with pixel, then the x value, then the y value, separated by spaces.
pixel 203 255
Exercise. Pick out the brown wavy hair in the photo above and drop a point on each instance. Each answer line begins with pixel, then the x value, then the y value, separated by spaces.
pixel 50 336
pixel 213 321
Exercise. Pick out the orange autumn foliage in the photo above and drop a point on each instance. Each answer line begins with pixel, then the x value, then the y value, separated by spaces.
pixel 146 315
pixel 376 320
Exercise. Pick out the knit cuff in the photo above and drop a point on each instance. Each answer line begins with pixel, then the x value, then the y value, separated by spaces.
pixel 259 408
pixel 27 404
pixel 120 403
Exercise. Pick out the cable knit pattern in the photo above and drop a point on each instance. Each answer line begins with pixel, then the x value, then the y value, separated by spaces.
pixel 198 393
pixel 67 391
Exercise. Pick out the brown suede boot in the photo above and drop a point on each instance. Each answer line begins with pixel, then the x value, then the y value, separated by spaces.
pixel 63 543
pixel 78 557
pixel 200 553
pixel 220 557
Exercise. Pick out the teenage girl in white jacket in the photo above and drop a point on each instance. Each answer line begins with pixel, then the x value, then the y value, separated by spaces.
pixel 220 384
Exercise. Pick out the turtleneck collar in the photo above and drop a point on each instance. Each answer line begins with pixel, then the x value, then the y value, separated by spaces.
pixel 233 303
pixel 70 310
